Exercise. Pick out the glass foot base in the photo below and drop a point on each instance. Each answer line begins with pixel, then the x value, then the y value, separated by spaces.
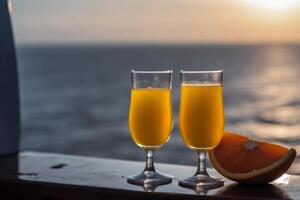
pixel 202 181
pixel 152 178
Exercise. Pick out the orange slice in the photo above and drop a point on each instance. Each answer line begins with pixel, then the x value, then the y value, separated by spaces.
pixel 245 160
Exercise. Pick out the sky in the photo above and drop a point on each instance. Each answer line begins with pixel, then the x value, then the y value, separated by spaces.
pixel 164 21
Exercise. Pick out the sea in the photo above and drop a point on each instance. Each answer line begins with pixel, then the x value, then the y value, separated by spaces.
pixel 75 98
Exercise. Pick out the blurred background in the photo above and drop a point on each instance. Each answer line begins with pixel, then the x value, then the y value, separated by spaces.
pixel 74 58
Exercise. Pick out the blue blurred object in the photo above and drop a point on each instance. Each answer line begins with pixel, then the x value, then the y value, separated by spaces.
pixel 9 100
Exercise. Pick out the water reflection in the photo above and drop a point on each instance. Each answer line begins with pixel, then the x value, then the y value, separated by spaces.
pixel 272 111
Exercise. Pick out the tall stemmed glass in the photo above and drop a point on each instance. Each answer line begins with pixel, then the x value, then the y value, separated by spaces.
pixel 201 120
pixel 150 120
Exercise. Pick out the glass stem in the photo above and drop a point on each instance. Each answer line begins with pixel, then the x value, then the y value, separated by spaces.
pixel 149 162
pixel 201 170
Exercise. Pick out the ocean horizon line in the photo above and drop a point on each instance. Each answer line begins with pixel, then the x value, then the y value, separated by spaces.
pixel 149 44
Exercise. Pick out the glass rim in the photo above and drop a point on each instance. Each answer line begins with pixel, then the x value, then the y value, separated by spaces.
pixel 201 71
pixel 151 71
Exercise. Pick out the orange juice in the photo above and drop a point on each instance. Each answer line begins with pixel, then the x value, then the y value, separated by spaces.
pixel 150 117
pixel 201 115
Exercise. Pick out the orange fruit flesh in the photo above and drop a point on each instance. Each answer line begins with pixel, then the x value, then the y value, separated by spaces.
pixel 239 154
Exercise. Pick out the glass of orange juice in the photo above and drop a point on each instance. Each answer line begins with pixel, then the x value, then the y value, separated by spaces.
pixel 150 120
pixel 201 120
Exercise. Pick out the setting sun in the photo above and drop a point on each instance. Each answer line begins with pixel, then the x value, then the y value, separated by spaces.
pixel 275 5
